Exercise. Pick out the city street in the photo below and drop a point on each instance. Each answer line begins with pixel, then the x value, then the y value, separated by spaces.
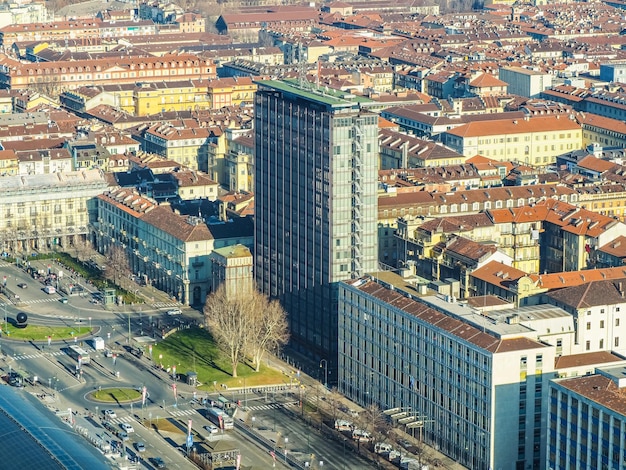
pixel 52 374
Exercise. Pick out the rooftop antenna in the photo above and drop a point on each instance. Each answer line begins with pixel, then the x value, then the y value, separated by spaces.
pixel 301 67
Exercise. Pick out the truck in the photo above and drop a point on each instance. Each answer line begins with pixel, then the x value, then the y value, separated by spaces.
pixel 97 343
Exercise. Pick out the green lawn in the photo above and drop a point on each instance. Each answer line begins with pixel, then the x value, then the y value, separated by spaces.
pixel 116 395
pixel 194 350
pixel 41 333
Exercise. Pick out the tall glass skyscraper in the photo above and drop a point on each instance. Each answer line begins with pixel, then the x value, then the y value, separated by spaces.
pixel 316 166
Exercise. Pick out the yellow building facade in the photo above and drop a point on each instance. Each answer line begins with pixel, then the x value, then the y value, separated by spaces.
pixel 535 141
pixel 151 98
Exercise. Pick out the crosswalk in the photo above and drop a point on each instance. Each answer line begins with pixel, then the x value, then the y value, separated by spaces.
pixel 40 301
pixel 122 419
pixel 272 406
pixel 183 412
pixel 165 304
pixel 37 355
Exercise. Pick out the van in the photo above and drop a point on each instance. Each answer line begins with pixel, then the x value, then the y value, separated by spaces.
pixel 361 435
pixel 49 290
pixel 97 343
pixel 343 425
pixel 382 448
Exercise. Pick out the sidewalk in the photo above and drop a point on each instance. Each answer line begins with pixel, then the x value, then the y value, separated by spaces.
pixel 346 407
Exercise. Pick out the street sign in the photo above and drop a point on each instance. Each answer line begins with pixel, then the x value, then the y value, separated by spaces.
pixel 189 441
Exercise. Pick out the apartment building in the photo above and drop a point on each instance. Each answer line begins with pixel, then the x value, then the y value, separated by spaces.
pixel 521 288
pixel 41 212
pixel 49 31
pixel 525 82
pixel 195 185
pixel 571 236
pixel 169 250
pixel 316 156
pixel 612 253
pixel 535 141
pixel 44 161
pixel 239 161
pixel 599 312
pixel 233 91
pixel 606 131
pixel 170 95
pixel 398 150
pixel 8 163
pixel 70 74
pixel 188 146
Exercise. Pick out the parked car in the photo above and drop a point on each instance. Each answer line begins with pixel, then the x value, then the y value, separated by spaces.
pixel 127 427
pixel 140 446
pixel 122 435
pixel 110 414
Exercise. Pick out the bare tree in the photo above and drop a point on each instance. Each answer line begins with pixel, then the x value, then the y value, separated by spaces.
pixel 228 320
pixel 117 265
pixel 374 421
pixel 268 329
pixel 333 399
pixel 82 247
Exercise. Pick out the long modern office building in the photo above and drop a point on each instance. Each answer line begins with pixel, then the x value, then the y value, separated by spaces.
pixel 315 204
pixel 471 382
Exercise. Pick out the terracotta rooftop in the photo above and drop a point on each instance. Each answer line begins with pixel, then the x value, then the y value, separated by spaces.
pixel 499 274
pixel 616 247
pixel 592 294
pixel 515 126
pixel 599 389
pixel 585 359
pixel 575 278
pixel 450 325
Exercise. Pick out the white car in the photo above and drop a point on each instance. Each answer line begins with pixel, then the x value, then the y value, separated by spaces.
pixel 127 427
pixel 110 414
pixel 211 429
pixel 174 311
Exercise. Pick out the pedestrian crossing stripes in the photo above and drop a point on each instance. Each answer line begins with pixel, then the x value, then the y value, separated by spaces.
pixel 38 355
pixel 165 304
pixel 40 301
pixel 272 406
pixel 183 412
pixel 121 419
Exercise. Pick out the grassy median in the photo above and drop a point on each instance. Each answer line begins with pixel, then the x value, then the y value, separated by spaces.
pixel 41 333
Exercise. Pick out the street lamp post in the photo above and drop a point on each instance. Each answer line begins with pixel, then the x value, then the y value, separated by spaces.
pixel 286 442
pixel 325 366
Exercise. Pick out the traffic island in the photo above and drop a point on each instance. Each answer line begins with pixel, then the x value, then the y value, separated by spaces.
pixel 115 395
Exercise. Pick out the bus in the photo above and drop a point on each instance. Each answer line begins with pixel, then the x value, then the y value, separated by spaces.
pixel 220 418
pixel 79 354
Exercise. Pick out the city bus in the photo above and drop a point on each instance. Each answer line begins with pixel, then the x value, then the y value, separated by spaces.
pixel 79 354
pixel 220 418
